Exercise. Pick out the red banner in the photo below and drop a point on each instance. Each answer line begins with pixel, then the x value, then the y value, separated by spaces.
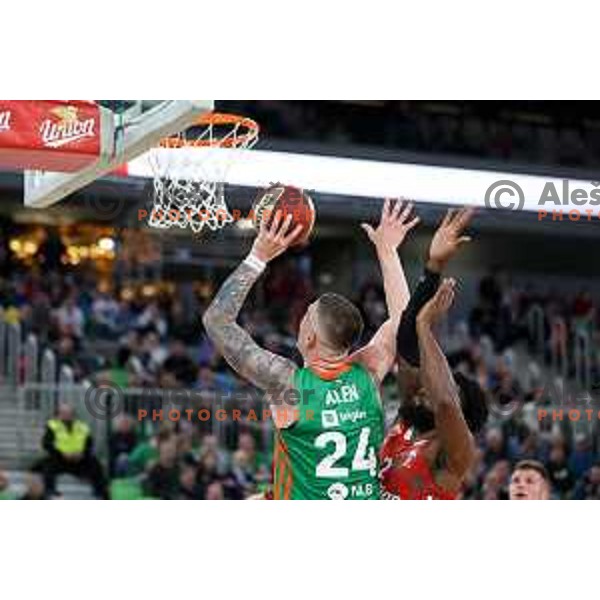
pixel 50 135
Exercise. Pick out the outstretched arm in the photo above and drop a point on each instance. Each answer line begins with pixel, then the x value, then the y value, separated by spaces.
pixel 396 221
pixel 446 242
pixel 264 369
pixel 456 439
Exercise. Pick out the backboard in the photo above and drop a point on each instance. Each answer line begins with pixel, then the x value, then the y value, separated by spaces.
pixel 128 129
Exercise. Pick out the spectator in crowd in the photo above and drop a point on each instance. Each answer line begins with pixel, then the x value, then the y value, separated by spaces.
pixel 121 444
pixel 582 457
pixel 210 445
pixel 208 469
pixel 146 451
pixel 35 488
pixel 105 314
pixel 185 448
pixel 5 492
pixel 163 478
pixel 152 317
pixel 69 448
pixel 67 355
pixel 153 354
pixel 210 379
pixel 70 317
pixel 51 251
pixel 495 447
pixel 254 460
pixel 177 369
pixel 189 489
pixel 589 487
pixel 214 491
pixel 120 373
pixel 501 471
pixel 242 473
pixel 560 475
pixel 531 447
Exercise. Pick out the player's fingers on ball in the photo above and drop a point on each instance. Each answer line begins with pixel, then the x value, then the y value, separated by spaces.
pixel 275 223
pixel 263 224
pixel 290 237
pixel 285 225
pixel 286 228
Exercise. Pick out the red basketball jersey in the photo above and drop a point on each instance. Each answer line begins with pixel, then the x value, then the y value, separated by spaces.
pixel 405 473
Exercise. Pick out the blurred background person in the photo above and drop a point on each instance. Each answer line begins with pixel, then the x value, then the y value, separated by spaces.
pixel 69 449
pixel 529 481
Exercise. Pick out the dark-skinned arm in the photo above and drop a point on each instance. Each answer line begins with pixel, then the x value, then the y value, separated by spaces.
pixel 446 241
pixel 408 343
pixel 456 440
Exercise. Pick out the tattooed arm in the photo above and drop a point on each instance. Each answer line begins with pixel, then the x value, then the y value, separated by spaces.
pixel 264 369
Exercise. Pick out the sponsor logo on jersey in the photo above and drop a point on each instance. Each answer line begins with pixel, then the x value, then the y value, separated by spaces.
pixel 353 416
pixel 329 418
pixel 5 120
pixel 65 127
pixel 337 491
pixel 342 395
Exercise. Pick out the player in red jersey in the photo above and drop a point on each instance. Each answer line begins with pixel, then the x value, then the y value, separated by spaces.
pixel 428 452
pixel 430 449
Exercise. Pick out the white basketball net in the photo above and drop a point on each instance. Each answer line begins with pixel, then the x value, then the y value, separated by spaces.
pixel 190 174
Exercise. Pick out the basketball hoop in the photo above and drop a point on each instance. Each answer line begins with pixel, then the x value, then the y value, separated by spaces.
pixel 190 170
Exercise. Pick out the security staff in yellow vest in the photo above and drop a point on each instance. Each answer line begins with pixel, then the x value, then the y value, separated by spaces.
pixel 69 449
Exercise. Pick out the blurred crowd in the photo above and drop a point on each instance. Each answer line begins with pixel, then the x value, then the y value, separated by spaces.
pixel 546 318
pixel 154 342
pixel 500 320
pixel 530 133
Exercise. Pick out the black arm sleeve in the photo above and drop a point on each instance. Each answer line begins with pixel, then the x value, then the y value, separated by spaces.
pixel 407 341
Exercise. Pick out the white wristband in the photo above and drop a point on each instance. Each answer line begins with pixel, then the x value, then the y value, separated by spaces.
pixel 255 263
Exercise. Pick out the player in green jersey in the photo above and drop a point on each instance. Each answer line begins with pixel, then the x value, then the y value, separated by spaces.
pixel 328 414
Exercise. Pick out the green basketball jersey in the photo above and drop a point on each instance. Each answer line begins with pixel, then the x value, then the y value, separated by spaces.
pixel 331 451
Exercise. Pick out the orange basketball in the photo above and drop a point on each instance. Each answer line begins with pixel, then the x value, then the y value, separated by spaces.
pixel 290 200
